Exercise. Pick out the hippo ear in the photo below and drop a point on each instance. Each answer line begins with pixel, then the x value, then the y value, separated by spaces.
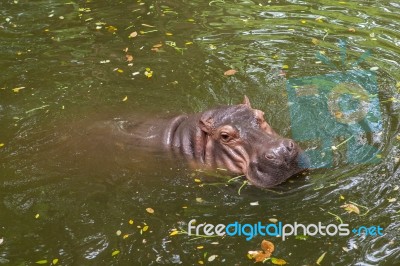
pixel 206 123
pixel 246 101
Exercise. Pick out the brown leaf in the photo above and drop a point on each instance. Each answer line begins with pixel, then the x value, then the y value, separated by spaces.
pixel 267 246
pixel 230 72
pixel 133 34
pixel 261 256
pixel 129 58
pixel 351 208
pixel 158 45
pixel 150 210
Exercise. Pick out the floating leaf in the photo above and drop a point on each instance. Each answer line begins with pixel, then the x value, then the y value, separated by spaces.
pixel 303 21
pixel 351 208
pixel 158 45
pixel 147 25
pixel 131 221
pixel 124 99
pixel 150 210
pixel 321 258
pixel 111 29
pixel 398 137
pixel 133 34
pixel 200 200
pixel 1 145
pixel 118 233
pixel 125 236
pixel 285 67
pixel 37 215
pixel 41 262
pixel 200 262
pixel 301 237
pixel 273 220
pixel 352 30
pixel 267 246
pixel 230 72
pixel 341 197
pixel 254 203
pixel 278 261
pixel 200 247
pixel 197 180
pixel 174 233
pixel 392 200
pixel 115 253
pixel 212 258
pixel 55 261
pixel 129 58
pixel 16 90
pixel 148 73
pixel 396 187
pixel 315 41
pixel 145 228
pixel 168 34
pixel 1 241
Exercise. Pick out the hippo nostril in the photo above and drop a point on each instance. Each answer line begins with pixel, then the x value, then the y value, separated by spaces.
pixel 269 156
pixel 290 145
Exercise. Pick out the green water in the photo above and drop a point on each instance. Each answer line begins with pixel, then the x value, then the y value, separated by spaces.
pixel 63 66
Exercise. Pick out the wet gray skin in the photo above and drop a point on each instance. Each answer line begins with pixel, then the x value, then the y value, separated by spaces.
pixel 236 138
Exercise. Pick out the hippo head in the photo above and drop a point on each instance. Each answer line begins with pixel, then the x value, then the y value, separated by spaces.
pixel 238 138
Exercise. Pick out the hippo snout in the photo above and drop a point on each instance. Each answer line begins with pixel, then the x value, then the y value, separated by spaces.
pixel 275 162
pixel 283 153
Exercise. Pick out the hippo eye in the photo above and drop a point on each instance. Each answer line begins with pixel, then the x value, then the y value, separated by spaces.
pixel 225 137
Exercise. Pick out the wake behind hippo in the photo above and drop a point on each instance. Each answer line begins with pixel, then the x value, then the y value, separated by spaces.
pixel 236 138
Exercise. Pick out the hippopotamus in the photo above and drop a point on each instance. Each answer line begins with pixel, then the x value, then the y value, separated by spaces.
pixel 236 138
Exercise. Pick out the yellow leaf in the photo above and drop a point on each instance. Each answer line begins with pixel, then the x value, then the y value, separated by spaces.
pixel 174 233
pixel 303 21
pixel 190 20
pixel 197 180
pixel 120 70
pixel 125 236
pixel 341 197
pixel 111 29
pixel 278 261
pixel 1 145
pixel 131 221
pixel 168 34
pixel 37 216
pixel 55 261
pixel 398 137
pixel 285 67
pixel 321 258
pixel 352 30
pixel 124 99
pixel 41 262
pixel 188 43
pixel 145 228
pixel 315 41
pixel 150 210
pixel 16 90
pixel 118 232
pixel 200 247
pixel 115 253
pixel 201 262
